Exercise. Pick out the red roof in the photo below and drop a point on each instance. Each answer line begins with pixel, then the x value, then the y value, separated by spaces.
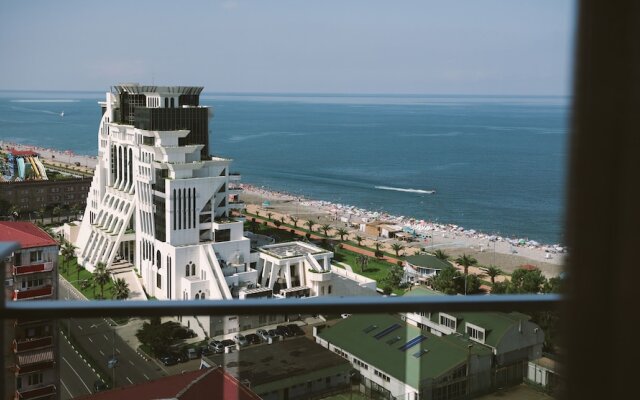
pixel 528 267
pixel 26 233
pixel 211 383
pixel 18 153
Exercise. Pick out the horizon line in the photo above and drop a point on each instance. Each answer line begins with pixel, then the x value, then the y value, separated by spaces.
pixel 247 93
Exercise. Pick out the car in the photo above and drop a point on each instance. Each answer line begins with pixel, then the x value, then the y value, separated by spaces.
pixel 99 386
pixel 205 351
pixel 295 329
pixel 193 353
pixel 263 334
pixel 168 359
pixel 283 331
pixel 228 342
pixel 252 338
pixel 274 334
pixel 180 356
pixel 240 339
pixel 112 362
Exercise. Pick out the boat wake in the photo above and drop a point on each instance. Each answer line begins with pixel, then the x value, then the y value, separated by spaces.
pixel 405 190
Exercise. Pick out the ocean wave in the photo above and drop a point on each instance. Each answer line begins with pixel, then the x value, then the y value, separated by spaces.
pixel 405 190
pixel 44 101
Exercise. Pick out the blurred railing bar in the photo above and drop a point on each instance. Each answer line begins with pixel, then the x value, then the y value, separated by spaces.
pixel 316 305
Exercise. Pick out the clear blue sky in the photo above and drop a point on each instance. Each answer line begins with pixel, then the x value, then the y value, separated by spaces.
pixel 335 46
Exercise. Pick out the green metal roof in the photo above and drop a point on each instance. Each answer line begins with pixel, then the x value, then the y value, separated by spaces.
pixel 427 261
pixel 421 291
pixel 443 353
pixel 495 324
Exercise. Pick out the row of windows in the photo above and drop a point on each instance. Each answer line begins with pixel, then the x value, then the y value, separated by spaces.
pixel 475 333
pixel 448 321
pixel 382 376
pixel 32 379
pixel 360 363
pixel 184 208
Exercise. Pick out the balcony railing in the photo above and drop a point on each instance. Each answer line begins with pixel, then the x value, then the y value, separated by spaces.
pixel 44 291
pixel 36 393
pixel 32 344
pixel 31 269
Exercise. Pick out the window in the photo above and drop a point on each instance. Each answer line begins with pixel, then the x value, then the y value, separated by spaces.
pixel 186 270
pixel 158 280
pixel 475 332
pixel 35 255
pixel 35 379
pixel 448 321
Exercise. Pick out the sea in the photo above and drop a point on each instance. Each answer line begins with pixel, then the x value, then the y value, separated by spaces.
pixel 496 164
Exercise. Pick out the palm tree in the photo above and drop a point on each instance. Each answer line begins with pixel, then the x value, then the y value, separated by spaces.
pixel 441 255
pixel 342 233
pixel 294 220
pixel 378 245
pixel 282 219
pixel 14 211
pixel 101 277
pixel 362 260
pixel 309 223
pixel 466 261
pixel 359 239
pixel 325 228
pixel 493 271
pixel 68 252
pixel 120 289
pixel 269 215
pixel 397 247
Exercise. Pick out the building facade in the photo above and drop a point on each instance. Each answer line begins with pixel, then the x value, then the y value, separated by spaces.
pixel 31 364
pixel 36 194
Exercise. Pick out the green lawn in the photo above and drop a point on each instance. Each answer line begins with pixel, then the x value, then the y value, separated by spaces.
pixel 376 269
pixel 70 273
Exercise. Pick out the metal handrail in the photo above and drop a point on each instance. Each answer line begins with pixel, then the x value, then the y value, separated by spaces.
pixel 316 305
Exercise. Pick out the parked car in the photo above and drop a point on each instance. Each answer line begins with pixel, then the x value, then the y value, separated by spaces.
pixel 283 331
pixel 263 334
pixel 240 340
pixel 228 342
pixel 252 338
pixel 274 334
pixel 295 329
pixel 193 353
pixel 216 346
pixel 168 359
pixel 99 386
pixel 180 356
pixel 205 351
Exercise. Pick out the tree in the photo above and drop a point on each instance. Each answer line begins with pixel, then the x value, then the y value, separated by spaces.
pixel 449 281
pixel 68 252
pixel 282 220
pixel 553 285
pixel 101 277
pixel 500 288
pixel 158 336
pixel 309 223
pixel 397 247
pixel 269 215
pixel 378 245
pixel 493 271
pixel 342 233
pixel 120 289
pixel 57 211
pixel 441 255
pixel 466 261
pixel 41 213
pixel 359 239
pixel 527 281
pixel 473 284
pixel 363 261
pixel 294 220
pixel 14 211
pixel 395 276
pixel 277 223
pixel 325 228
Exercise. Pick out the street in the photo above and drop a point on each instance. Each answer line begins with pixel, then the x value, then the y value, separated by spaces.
pixel 98 341
pixel 76 377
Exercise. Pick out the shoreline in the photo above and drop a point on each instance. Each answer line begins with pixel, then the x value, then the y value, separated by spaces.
pixel 453 238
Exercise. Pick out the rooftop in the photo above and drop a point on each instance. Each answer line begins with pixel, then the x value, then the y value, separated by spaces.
pixel 204 383
pixel 291 249
pixel 136 88
pixel 282 364
pixel 378 340
pixel 427 261
pixel 495 324
pixel 26 233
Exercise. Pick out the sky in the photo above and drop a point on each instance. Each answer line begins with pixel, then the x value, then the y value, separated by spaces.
pixel 477 47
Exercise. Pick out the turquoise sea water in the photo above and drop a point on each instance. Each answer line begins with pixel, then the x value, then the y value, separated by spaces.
pixel 497 164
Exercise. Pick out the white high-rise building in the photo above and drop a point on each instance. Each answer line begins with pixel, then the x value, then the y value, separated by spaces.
pixel 158 200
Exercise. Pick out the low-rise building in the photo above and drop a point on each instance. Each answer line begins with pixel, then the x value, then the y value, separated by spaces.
pixel 397 360
pixel 294 368
pixel 420 267
pixel 31 365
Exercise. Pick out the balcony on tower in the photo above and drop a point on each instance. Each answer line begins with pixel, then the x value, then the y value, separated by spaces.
pixel 20 345
pixel 40 293
pixel 33 268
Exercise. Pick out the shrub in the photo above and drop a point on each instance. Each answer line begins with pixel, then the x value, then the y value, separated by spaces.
pixel 379 253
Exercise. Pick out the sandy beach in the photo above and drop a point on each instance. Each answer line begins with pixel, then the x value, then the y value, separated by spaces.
pixel 53 155
pixel 508 254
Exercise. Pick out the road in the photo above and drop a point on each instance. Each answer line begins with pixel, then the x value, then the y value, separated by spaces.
pixel 76 377
pixel 98 340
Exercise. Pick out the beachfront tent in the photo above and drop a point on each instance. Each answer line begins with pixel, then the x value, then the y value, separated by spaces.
pixel 266 204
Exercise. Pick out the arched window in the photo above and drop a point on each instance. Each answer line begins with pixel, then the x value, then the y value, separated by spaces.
pixel 172 103
pixel 197 296
pixel 166 102
pixel 202 296
pixel 193 269
pixel 158 259
pixel 186 270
